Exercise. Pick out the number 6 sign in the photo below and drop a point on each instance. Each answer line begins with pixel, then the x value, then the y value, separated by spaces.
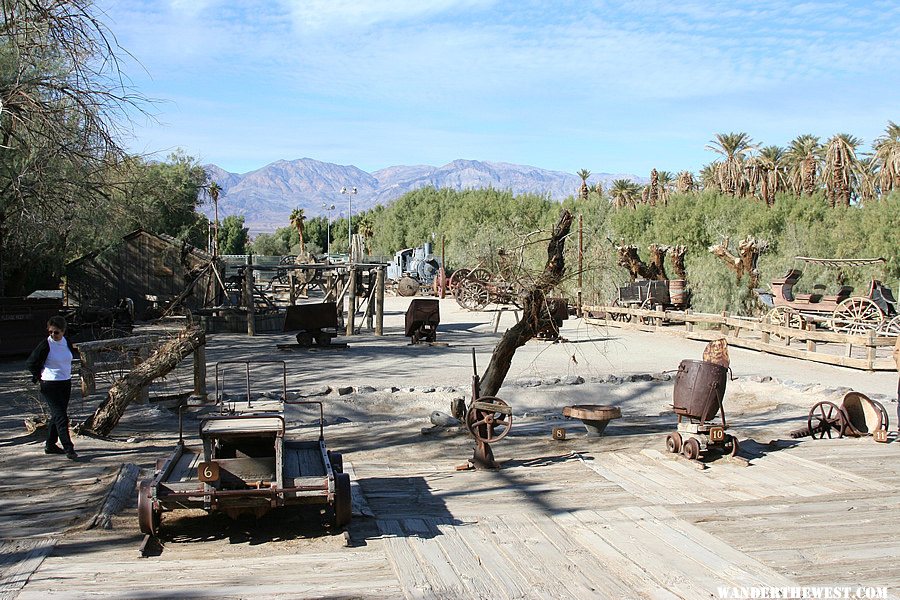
pixel 208 471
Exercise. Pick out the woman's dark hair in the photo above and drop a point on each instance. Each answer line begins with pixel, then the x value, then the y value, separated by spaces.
pixel 58 322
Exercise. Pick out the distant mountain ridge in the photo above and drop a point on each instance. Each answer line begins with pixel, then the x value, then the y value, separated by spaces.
pixel 266 196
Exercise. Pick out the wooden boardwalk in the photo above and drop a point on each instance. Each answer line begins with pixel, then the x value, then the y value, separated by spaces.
pixel 588 524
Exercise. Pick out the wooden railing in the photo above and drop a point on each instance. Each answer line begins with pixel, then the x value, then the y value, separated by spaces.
pixel 855 351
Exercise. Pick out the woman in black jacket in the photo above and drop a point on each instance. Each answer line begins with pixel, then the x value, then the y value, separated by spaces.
pixel 51 364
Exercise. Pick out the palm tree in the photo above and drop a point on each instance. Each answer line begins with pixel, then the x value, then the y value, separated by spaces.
pixel 653 188
pixel 365 229
pixel 214 190
pixel 868 183
pixel 585 190
pixel 708 175
pixel 666 185
pixel 296 219
pixel 624 192
pixel 685 182
pixel 802 158
pixel 887 158
pixel 842 169
pixel 772 161
pixel 734 147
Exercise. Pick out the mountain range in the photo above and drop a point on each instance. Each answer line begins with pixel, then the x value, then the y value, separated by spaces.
pixel 266 196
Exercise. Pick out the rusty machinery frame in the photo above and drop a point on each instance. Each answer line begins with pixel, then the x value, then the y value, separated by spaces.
pixel 484 415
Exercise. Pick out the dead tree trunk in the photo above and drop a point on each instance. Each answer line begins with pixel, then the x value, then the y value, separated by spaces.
pixel 629 258
pixel 535 314
pixel 677 257
pixel 744 262
pixel 125 390
pixel 658 261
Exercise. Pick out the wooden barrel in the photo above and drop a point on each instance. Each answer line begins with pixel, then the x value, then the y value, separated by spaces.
pixel 677 292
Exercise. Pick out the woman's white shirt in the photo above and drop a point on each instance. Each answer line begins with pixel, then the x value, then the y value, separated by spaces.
pixel 58 366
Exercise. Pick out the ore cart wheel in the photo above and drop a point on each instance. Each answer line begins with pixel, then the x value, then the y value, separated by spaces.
pixel 472 295
pixel 856 316
pixel 337 461
pixel 826 417
pixel 884 421
pixel 343 506
pixel 691 449
pixel 732 447
pixel 148 515
pixel 673 442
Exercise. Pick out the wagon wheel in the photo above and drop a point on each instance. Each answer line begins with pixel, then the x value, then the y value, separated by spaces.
pixel 691 449
pixel 673 442
pixel 616 316
pixel 825 417
pixel 458 277
pixel 856 315
pixel 478 417
pixel 342 509
pixel 336 459
pixel 472 295
pixel 891 328
pixel 883 419
pixel 148 514
pixel 785 317
pixel 479 274
pixel 732 447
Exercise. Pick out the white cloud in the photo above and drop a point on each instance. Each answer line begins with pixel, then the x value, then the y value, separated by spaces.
pixel 337 14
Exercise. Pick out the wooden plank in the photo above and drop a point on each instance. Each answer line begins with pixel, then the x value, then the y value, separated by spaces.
pixel 724 561
pixel 477 581
pixel 634 484
pixel 405 561
pixel 310 462
pixel 480 541
pixel 538 563
pixel 19 559
pixel 583 527
pixel 357 498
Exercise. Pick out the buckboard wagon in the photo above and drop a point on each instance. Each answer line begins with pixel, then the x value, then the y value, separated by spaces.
pixel 246 464
pixel 842 311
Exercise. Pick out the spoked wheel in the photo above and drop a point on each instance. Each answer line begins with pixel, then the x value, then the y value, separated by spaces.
pixel 472 295
pixel 732 447
pixel 673 442
pixel 343 507
pixel 827 418
pixel 149 516
pixel 479 274
pixel 856 315
pixel 691 449
pixel 785 317
pixel 457 278
pixel 482 415
pixel 891 328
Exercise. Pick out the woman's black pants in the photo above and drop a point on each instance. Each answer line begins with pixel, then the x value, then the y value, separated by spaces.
pixel 56 394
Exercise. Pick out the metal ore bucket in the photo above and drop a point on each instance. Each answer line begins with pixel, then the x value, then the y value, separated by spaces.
pixel 699 389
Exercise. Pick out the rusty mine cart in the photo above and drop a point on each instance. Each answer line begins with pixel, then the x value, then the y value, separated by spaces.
pixel 246 464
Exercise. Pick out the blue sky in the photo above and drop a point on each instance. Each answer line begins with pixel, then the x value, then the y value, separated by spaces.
pixel 616 87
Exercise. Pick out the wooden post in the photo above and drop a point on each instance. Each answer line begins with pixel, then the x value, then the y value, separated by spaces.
pixel 351 300
pixel 580 264
pixel 870 349
pixel 443 271
pixel 88 381
pixel 200 394
pixel 379 301
pixel 659 319
pixel 248 296
pixel 764 335
pixel 689 325
pixel 292 293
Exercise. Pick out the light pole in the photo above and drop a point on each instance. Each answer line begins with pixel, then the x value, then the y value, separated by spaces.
pixel 328 210
pixel 349 191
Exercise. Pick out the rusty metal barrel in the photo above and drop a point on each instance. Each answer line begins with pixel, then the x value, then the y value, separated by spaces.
pixel 677 294
pixel 699 389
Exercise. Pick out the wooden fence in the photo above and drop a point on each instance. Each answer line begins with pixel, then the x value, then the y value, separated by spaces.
pixel 854 351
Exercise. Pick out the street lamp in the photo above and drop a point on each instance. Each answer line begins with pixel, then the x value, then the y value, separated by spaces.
pixel 349 191
pixel 328 210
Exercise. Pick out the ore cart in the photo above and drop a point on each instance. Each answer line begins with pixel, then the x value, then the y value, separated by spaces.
pixel 244 463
